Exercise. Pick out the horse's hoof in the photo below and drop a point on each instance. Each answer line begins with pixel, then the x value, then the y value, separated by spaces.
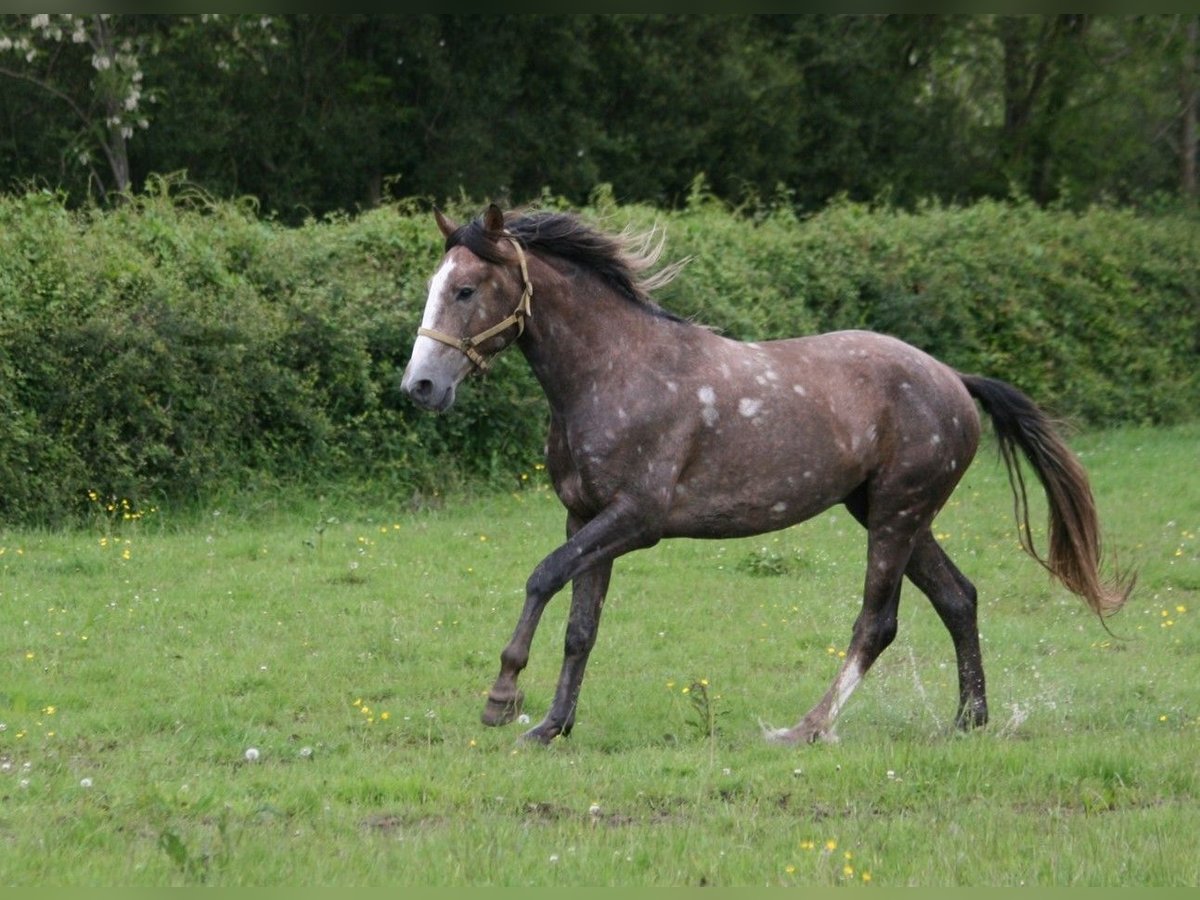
pixel 501 712
pixel 971 718
pixel 801 734
pixel 542 734
pixel 778 735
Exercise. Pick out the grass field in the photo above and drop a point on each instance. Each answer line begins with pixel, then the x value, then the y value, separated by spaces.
pixel 145 658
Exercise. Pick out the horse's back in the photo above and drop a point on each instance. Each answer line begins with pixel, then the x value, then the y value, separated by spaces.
pixel 909 416
pixel 794 426
pixel 874 374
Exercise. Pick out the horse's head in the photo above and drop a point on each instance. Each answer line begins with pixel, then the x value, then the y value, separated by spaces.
pixel 478 302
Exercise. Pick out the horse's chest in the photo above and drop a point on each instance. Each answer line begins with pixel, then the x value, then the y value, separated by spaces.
pixel 591 466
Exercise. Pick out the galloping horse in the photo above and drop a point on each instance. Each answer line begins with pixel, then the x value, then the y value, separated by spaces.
pixel 663 428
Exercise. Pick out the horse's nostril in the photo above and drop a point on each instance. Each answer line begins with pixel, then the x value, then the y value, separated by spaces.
pixel 426 393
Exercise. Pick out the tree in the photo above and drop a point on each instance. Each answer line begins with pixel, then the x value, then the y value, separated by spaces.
pixel 1189 101
pixel 93 66
pixel 315 113
pixel 90 64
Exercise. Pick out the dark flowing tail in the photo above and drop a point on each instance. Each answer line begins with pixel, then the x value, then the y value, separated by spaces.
pixel 1074 557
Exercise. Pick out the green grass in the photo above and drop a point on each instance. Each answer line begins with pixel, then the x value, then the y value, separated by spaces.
pixel 353 648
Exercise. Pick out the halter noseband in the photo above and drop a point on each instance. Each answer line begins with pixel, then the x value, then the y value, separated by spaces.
pixel 518 316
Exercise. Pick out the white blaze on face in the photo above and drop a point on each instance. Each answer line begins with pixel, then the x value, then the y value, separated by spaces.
pixel 423 346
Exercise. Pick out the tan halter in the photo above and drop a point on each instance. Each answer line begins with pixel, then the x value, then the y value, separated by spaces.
pixel 519 315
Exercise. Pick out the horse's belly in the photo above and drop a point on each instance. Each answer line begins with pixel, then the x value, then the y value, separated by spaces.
pixel 741 506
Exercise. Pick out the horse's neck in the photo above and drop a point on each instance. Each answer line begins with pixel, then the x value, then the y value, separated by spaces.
pixel 583 338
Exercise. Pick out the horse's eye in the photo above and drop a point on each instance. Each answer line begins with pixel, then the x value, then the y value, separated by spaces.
pixel 464 293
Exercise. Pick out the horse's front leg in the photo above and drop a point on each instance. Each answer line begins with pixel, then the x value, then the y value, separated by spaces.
pixel 587 600
pixel 587 556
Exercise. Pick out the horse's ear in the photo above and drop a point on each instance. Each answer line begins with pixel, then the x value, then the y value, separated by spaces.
pixel 493 220
pixel 444 225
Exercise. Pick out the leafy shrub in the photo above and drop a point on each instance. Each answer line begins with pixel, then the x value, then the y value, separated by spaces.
pixel 176 348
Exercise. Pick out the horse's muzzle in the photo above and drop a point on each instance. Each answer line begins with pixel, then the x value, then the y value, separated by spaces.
pixel 433 373
pixel 427 394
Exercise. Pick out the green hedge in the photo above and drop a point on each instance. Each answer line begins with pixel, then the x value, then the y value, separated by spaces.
pixel 175 349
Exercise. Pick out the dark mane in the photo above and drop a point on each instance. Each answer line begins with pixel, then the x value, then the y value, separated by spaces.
pixel 624 261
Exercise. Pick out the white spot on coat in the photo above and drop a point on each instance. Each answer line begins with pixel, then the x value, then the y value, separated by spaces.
pixel 708 409
pixel 749 407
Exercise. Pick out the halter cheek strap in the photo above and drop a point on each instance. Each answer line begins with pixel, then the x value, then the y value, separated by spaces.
pixel 467 346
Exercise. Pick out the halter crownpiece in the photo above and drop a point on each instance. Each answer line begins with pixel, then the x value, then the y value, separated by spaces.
pixel 518 316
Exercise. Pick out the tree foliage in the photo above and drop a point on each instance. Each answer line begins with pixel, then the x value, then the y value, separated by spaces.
pixel 315 113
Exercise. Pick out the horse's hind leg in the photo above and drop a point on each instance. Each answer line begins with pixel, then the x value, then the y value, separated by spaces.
pixel 955 600
pixel 874 629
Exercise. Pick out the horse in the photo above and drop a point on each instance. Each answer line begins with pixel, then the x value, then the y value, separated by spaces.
pixel 660 427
